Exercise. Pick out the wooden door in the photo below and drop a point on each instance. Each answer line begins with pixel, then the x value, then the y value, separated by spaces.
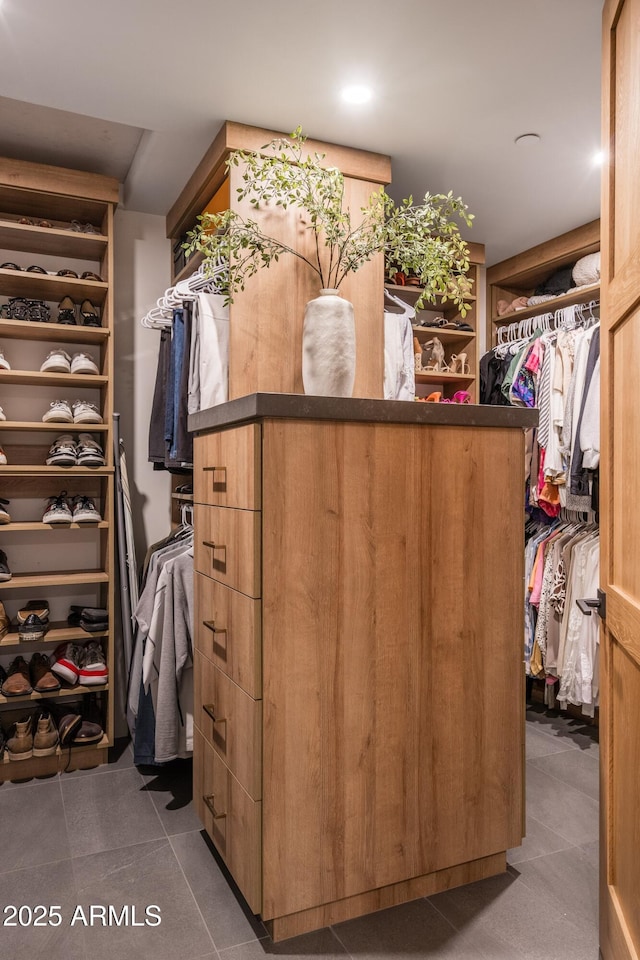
pixel 620 517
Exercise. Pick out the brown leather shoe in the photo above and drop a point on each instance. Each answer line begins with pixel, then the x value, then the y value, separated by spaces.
pixel 17 683
pixel 4 621
pixel 68 721
pixel 89 733
pixel 45 739
pixel 20 740
pixel 42 678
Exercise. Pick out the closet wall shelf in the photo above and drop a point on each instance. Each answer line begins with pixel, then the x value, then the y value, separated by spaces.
pixel 59 579
pixel 37 286
pixel 581 295
pixel 53 332
pixel 412 293
pixel 432 376
pixel 39 427
pixel 57 633
pixel 35 378
pixel 444 335
pixel 25 769
pixel 78 690
pixel 186 497
pixel 51 241
pixel 39 527
pixel 190 267
pixel 36 470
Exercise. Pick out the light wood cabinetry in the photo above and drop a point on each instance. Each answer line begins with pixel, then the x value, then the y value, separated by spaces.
pixel 358 711
pixel 73 562
pixel 454 341
pixel 520 275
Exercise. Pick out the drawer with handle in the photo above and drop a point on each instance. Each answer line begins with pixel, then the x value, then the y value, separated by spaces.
pixel 231 818
pixel 226 468
pixel 228 632
pixel 227 547
pixel 232 723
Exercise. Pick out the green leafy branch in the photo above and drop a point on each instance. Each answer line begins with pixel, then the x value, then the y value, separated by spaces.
pixel 423 239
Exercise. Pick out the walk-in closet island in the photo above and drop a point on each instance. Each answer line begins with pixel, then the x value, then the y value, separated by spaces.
pixel 358 665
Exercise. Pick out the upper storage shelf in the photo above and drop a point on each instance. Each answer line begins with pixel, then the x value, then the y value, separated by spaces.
pixel 520 275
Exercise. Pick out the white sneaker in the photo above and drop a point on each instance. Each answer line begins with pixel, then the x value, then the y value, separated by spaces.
pixel 84 510
pixel 58 510
pixel 2 416
pixel 58 361
pixel 59 412
pixel 83 363
pixel 84 412
pixel 4 363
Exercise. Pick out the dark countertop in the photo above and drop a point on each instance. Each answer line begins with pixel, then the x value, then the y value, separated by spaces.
pixel 300 407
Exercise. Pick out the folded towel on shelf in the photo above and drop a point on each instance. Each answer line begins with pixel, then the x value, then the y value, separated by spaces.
pixel 587 270
pixel 541 298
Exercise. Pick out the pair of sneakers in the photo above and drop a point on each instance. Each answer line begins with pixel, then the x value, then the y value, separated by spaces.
pixel 81 663
pixel 78 510
pixel 59 361
pixel 83 452
pixel 61 411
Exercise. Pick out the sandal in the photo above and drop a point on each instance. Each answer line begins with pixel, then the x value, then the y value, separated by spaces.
pixel 89 314
pixel 462 396
pixel 459 364
pixel 34 268
pixel 434 397
pixel 67 311
pixel 436 361
pixel 88 275
pixel 9 266
pixel 67 273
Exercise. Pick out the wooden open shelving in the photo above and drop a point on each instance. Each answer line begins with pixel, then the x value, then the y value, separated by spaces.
pixel 59 196
pixel 51 241
pixel 577 295
pixel 57 633
pixel 36 378
pixel 52 332
pixel 433 376
pixel 23 581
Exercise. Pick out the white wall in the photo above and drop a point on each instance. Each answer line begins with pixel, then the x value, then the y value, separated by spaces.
pixel 142 273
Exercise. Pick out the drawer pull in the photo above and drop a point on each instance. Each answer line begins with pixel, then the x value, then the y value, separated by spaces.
pixel 209 803
pixel 210 710
pixel 211 625
pixel 212 470
pixel 213 546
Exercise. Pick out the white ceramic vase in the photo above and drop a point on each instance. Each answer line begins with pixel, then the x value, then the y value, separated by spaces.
pixel 328 346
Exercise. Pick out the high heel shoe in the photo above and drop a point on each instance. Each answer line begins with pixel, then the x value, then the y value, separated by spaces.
pixel 459 364
pixel 89 314
pixel 436 362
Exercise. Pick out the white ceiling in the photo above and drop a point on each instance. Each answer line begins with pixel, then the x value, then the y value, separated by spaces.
pixel 454 82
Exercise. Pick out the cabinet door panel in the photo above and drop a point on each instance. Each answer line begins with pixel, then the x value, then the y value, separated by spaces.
pixel 227 547
pixel 227 468
pixel 228 632
pixel 232 723
pixel 230 817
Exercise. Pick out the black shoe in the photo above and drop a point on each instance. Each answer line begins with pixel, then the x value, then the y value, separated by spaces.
pixel 5 573
pixel 41 607
pixel 68 722
pixel 67 311
pixel 34 628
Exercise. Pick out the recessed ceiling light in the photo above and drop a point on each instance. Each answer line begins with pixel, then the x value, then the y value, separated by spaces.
pixel 357 93
pixel 598 158
pixel 527 139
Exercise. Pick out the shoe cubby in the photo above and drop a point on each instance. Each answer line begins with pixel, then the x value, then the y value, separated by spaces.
pixel 443 320
pixel 59 221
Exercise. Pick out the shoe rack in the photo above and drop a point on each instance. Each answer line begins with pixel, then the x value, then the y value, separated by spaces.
pixel 455 342
pixel 68 563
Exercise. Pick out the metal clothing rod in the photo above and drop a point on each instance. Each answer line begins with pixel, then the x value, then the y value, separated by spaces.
pixel 125 594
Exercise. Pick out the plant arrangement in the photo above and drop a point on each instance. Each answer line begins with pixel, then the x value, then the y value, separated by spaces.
pixel 420 239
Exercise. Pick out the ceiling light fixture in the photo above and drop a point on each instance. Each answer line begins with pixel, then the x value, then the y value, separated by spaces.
pixel 357 93
pixel 527 139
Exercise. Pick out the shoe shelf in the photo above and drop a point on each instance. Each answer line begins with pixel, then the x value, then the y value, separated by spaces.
pixel 38 526
pixel 37 470
pixel 78 690
pixel 38 286
pixel 51 332
pixel 57 633
pixel 48 766
pixel 56 427
pixel 411 292
pixel 24 581
pixel 51 241
pixel 434 376
pixel 36 378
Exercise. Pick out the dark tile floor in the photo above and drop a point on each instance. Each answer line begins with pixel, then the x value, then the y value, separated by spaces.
pixel 125 836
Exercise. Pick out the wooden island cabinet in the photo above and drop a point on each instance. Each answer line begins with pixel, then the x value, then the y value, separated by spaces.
pixel 358 663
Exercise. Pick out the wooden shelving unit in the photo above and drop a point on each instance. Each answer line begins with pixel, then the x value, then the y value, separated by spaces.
pixel 454 341
pixel 59 196
pixel 520 275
